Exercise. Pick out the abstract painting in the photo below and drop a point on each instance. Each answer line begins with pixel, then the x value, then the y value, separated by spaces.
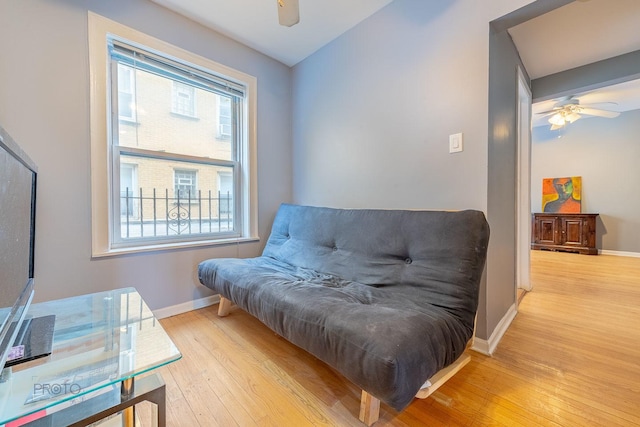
pixel 562 195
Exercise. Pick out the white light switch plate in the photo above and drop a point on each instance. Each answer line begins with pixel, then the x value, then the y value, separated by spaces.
pixel 455 143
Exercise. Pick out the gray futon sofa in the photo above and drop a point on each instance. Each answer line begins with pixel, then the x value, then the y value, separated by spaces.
pixel 386 297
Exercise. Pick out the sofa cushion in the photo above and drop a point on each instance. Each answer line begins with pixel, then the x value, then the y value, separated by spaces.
pixel 437 254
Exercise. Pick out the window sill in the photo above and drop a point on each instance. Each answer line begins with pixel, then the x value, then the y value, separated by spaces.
pixel 186 203
pixel 129 120
pixel 172 246
pixel 185 116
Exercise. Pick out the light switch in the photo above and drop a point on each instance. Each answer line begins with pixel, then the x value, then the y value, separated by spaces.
pixel 455 143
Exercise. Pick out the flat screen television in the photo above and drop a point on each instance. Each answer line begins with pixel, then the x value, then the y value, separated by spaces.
pixel 17 237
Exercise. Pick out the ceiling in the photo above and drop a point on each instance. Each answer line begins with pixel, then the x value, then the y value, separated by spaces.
pixel 255 22
pixel 577 34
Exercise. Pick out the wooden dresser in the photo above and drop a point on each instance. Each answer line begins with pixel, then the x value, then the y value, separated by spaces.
pixel 571 232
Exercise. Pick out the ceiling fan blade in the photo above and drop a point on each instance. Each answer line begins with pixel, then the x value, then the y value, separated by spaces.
pixel 599 113
pixel 548 112
pixel 288 12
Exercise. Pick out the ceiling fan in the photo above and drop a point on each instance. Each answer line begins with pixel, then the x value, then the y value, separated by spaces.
pixel 569 110
pixel 288 12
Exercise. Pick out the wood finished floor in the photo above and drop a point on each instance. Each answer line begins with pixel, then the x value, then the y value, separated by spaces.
pixel 570 358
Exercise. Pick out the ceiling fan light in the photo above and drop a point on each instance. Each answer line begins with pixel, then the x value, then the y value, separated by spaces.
pixel 288 12
pixel 556 127
pixel 557 119
pixel 572 117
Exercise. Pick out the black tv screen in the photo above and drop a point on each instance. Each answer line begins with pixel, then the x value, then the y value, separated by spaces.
pixel 17 234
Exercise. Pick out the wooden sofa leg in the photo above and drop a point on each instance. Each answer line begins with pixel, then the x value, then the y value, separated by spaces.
pixel 443 376
pixel 224 306
pixel 369 408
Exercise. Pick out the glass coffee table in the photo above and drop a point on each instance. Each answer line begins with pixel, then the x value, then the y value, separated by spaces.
pixel 101 342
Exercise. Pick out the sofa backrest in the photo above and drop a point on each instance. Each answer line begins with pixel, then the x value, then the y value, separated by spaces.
pixel 440 253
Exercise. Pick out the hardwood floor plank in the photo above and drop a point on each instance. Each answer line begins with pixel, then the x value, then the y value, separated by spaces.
pixel 570 358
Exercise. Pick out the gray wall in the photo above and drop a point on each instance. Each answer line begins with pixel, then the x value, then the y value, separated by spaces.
pixel 44 105
pixel 370 116
pixel 373 111
pixel 503 138
pixel 605 153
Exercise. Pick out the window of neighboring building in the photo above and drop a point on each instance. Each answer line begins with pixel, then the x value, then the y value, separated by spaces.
pixel 225 186
pixel 126 93
pixel 168 170
pixel 128 184
pixel 185 184
pixel 183 99
pixel 225 117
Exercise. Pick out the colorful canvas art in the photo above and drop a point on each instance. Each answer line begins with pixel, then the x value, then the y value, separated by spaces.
pixel 562 194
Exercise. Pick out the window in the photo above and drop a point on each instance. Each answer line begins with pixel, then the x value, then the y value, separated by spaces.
pixel 170 148
pixel 225 186
pixel 126 95
pixel 224 117
pixel 159 180
pixel 185 184
pixel 128 184
pixel 183 99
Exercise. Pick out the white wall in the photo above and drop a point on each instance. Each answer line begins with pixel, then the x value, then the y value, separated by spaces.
pixel 605 152
pixel 44 105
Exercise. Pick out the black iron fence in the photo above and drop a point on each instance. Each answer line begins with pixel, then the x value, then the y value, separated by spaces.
pixel 157 215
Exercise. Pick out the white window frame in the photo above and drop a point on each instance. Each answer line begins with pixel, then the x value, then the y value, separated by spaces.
pixel 100 29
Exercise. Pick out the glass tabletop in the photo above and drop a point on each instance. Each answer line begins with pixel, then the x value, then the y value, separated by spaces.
pixel 99 340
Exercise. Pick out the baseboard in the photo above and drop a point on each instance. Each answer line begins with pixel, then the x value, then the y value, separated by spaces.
pixel 174 310
pixel 619 253
pixel 488 346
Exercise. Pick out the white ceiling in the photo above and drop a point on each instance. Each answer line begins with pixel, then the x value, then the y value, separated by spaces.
pixel 255 22
pixel 577 34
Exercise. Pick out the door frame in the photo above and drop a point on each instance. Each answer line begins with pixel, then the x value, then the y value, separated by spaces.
pixel 523 186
